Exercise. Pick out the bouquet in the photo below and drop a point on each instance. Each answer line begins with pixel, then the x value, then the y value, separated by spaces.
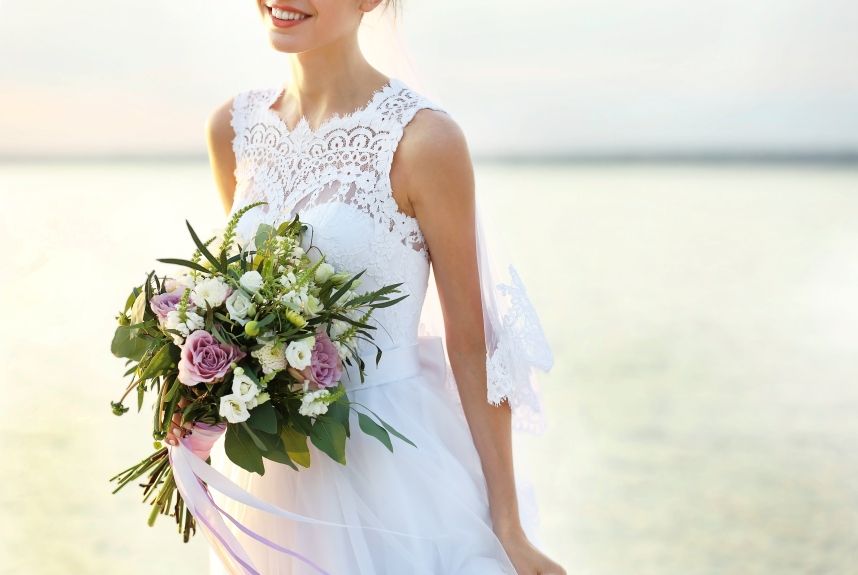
pixel 251 341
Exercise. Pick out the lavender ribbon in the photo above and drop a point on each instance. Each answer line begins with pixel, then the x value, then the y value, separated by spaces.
pixel 194 477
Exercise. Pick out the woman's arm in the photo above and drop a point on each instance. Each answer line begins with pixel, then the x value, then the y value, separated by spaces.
pixel 219 135
pixel 433 174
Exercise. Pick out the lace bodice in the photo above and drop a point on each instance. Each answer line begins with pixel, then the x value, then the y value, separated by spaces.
pixel 337 178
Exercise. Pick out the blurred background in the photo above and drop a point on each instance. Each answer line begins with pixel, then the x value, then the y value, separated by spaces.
pixel 690 171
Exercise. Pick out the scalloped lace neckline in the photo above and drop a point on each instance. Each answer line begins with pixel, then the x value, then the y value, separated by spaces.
pixel 303 124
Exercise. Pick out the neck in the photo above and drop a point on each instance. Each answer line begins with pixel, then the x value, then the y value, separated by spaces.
pixel 331 78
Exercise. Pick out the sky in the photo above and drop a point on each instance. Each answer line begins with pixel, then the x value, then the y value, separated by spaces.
pixel 555 77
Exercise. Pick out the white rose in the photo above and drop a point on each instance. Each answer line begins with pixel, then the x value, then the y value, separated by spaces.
pixel 238 304
pixel 324 272
pixel 210 292
pixel 270 357
pixel 298 352
pixel 243 387
pixel 313 305
pixel 251 281
pixel 233 409
pixel 314 403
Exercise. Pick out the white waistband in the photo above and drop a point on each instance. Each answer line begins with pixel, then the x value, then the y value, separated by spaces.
pixel 396 363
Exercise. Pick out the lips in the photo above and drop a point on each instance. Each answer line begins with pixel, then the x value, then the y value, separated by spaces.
pixel 285 7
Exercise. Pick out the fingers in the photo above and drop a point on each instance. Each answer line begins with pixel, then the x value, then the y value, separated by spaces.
pixel 177 429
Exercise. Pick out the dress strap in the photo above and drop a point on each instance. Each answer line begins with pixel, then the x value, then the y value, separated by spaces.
pixel 397 111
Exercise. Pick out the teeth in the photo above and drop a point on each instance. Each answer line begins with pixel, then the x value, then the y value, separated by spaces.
pixel 284 15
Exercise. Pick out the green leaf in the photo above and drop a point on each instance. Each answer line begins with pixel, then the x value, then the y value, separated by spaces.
pixel 388 303
pixel 253 437
pixel 266 320
pixel 162 360
pixel 345 287
pixel 186 263
pixel 264 418
pixel 296 446
pixel 339 411
pixel 242 451
pixel 127 346
pixel 203 249
pixel 329 436
pixel 368 426
pixel 275 450
pixel 141 390
pixel 263 232
pixel 391 429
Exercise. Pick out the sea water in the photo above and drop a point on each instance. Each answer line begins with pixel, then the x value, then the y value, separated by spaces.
pixel 702 406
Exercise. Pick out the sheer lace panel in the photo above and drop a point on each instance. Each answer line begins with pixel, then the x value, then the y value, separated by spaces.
pixel 347 159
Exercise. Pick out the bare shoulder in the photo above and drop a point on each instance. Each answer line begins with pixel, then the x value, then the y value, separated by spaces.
pixel 219 124
pixel 432 160
pixel 219 136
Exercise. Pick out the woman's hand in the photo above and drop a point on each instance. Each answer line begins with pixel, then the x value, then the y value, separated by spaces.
pixel 177 428
pixel 526 558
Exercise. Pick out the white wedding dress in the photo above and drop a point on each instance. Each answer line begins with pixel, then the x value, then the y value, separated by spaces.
pixel 337 178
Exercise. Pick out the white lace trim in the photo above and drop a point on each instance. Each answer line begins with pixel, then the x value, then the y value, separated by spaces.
pixel 346 159
pixel 521 348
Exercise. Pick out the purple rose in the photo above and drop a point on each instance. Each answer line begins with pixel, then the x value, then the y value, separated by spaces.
pixel 204 359
pixel 325 368
pixel 164 303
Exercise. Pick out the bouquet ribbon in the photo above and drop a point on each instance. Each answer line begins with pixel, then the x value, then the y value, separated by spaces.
pixel 194 476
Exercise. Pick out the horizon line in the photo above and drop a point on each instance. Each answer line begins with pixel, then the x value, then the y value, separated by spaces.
pixel 710 156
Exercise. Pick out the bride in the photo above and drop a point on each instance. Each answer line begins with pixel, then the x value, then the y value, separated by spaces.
pixel 383 177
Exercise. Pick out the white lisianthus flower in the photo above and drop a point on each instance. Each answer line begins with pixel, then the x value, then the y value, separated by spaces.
pixel 138 308
pixel 251 281
pixel 270 357
pixel 287 279
pixel 260 398
pixel 297 251
pixel 296 299
pixel 233 408
pixel 238 304
pixel 194 322
pixel 324 272
pixel 298 352
pixel 242 386
pixel 314 403
pixel 210 292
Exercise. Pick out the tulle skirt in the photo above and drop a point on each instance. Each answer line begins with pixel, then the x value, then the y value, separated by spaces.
pixel 434 496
